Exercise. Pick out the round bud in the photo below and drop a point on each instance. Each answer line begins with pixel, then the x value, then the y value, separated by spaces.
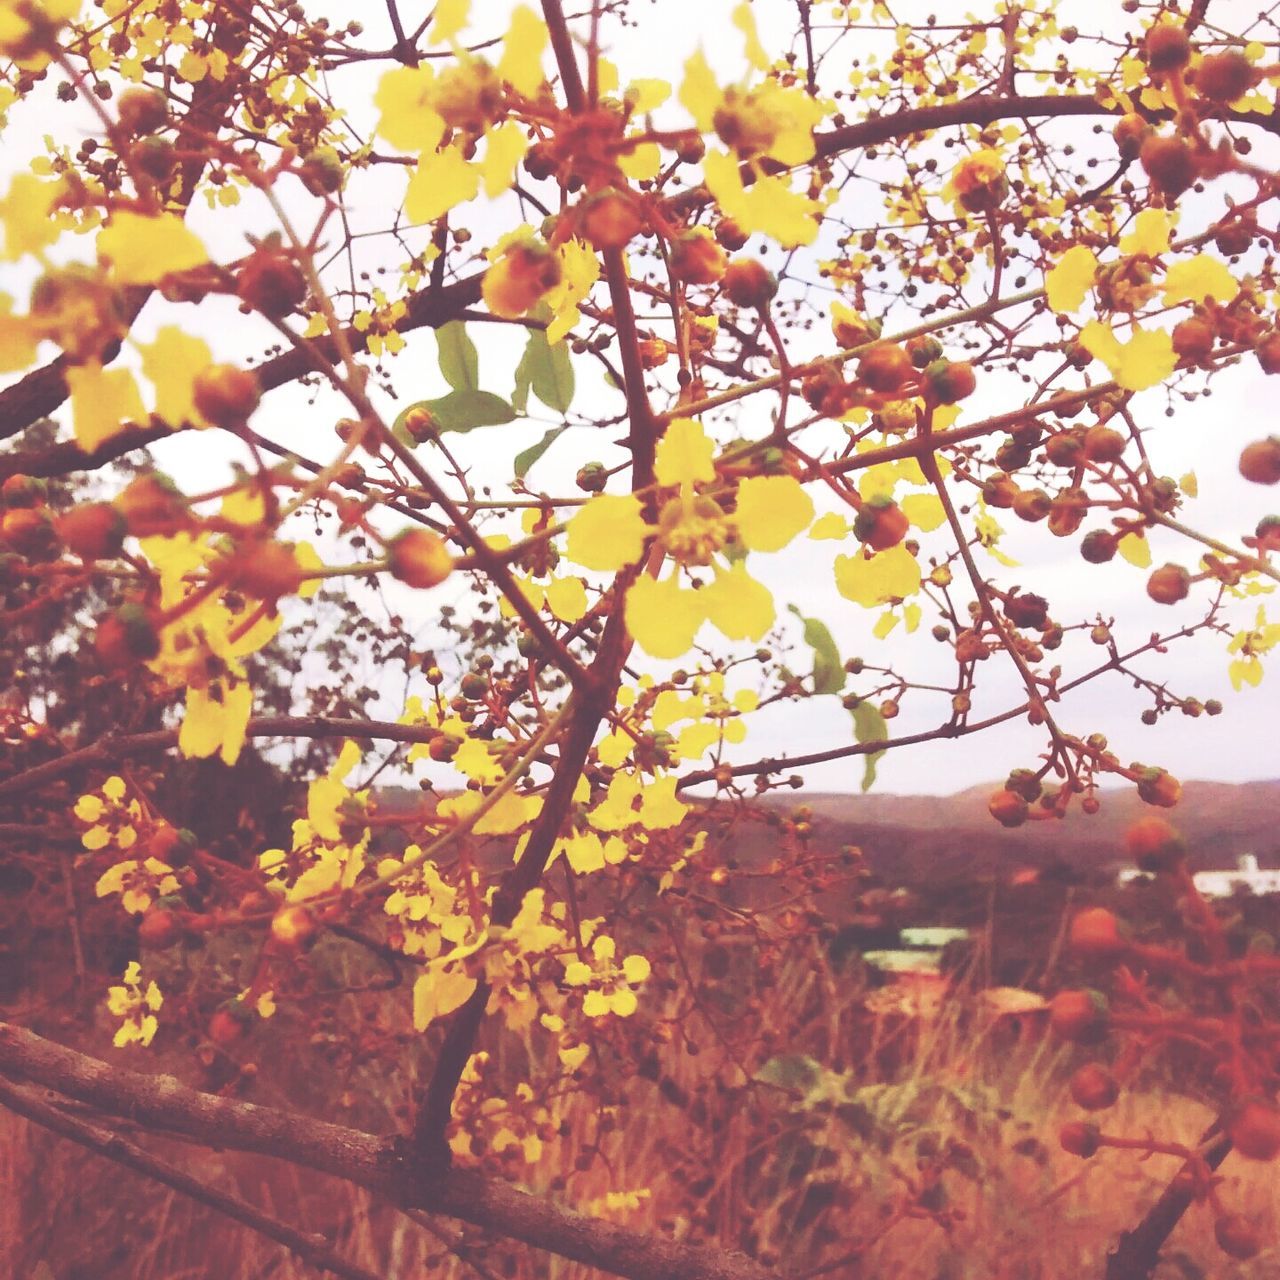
pixel 1167 47
pixel 226 395
pixel 1078 1016
pixel 1032 505
pixel 1254 1129
pixel 92 530
pixel 1260 461
pixel 419 558
pixel 610 220
pixel 126 636
pixel 1098 546
pixel 1094 1088
pixel 1237 1237
pixel 881 523
pixel 1160 788
pixel 1080 1139
pixel 1168 584
pixel 697 259
pixel 271 284
pixel 142 111
pixel 1193 339
pixel 1170 163
pixel 749 283
pixel 1008 808
pixel 1224 77
pixel 886 367
pixel 950 381
pixel 1095 934
pixel 1154 844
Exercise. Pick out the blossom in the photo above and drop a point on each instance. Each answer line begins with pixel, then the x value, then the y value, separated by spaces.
pixel 136 1006
pixel 696 529
pixel 138 882
pixel 611 986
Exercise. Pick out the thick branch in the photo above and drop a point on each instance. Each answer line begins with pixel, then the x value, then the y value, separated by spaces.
pixel 37 1106
pixel 429 309
pixel 162 1102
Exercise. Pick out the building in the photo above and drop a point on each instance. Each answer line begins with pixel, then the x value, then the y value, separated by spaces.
pixel 1247 875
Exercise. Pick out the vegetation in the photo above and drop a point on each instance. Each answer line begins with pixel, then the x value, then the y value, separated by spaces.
pixel 835 303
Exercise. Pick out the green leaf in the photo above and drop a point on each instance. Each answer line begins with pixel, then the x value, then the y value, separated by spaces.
pixel 465 410
pixel 828 670
pixel 459 361
pixel 547 370
pixel 791 1071
pixel 869 726
pixel 526 459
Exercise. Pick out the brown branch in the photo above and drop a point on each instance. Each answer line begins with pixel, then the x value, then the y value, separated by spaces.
pixel 1138 1251
pixel 38 1106
pixel 429 309
pixel 161 1102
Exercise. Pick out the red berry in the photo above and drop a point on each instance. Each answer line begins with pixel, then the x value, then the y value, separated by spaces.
pixel 226 395
pixel 1095 934
pixel 1154 844
pixel 1078 1016
pixel 881 524
pixel 1237 1237
pixel 1094 1088
pixel 749 283
pixel 1169 584
pixel 1254 1130
pixel 1008 808
pixel 1260 461
pixel 1080 1139
pixel 419 558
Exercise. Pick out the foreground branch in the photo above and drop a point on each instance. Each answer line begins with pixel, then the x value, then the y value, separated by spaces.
pixel 369 1161
pixel 38 1107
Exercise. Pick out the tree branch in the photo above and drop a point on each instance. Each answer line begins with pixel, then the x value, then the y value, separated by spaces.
pixel 314 1249
pixel 162 1102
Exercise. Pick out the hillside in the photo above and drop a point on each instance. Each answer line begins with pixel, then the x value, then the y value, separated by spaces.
pixel 910 837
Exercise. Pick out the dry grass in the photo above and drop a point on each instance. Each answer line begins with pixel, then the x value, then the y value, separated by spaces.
pixel 832 1183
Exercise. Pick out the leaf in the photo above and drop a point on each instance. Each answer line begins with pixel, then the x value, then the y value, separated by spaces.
pixel 465 410
pixel 548 371
pixel 790 1071
pixel 458 359
pixel 869 726
pixel 828 670
pixel 531 455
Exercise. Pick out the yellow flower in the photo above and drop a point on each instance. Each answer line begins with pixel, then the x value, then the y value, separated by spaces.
pixel 136 1006
pixel 1068 283
pixel 1198 278
pixel 143 250
pixel 1146 360
pixel 26 212
pixel 139 883
pixel 882 578
pixel 611 985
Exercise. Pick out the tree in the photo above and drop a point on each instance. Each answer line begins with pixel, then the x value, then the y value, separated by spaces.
pixel 240 206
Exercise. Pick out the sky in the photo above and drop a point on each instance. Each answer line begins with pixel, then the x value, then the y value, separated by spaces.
pixel 1204 436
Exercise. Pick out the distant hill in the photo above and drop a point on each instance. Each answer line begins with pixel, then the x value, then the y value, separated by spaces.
pixel 908 838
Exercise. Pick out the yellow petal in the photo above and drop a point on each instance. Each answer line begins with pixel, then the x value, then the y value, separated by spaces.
pixel 450 18
pixel 1198 278
pixel 26 214
pixel 924 510
pixel 769 206
pixel 103 402
pixel 442 180
pixel 663 617
pixel 607 533
pixel 1146 360
pixel 521 62
pixel 1067 284
pixel 567 598
pixel 772 510
pixel 745 21
pixel 144 250
pixel 684 454
pixel 830 526
pixel 642 162
pixel 737 605
pixel 700 94
pixel 407 122
pixel 880 579
pixel 1135 549
pixel 504 149
pixel 439 992
pixel 172 362
pixel 1150 234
